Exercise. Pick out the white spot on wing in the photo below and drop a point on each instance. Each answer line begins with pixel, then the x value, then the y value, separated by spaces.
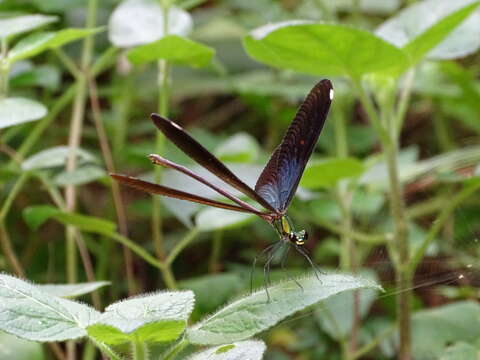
pixel 331 94
pixel 176 125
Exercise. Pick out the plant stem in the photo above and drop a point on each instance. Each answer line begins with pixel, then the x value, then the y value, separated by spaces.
pixel 74 139
pixel 349 261
pixel 163 100
pixel 117 196
pixel 215 254
pixel 140 351
pixel 4 68
pixel 105 349
pixel 389 140
pixel 182 244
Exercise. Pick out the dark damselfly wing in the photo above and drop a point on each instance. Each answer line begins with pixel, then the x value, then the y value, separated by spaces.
pixel 279 180
pixel 205 158
pixel 177 194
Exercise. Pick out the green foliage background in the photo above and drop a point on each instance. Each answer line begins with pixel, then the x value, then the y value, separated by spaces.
pixel 390 194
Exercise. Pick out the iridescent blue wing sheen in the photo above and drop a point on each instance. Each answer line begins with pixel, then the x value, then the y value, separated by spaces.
pixel 279 180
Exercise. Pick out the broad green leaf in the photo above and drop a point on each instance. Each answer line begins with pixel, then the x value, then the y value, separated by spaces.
pixel 210 219
pixel 32 314
pixel 335 314
pixel 460 351
pixel 35 216
pixel 14 111
pixel 250 315
pixel 434 329
pixel 138 22
pixel 72 290
pixel 153 318
pixel 426 27
pixel 20 24
pixel 249 349
pixel 174 48
pixel 322 49
pixel 36 43
pixel 327 173
pixel 81 175
pixel 240 147
pixel 13 348
pixel 53 157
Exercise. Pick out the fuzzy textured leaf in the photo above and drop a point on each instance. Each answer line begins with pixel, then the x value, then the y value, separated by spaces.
pixel 159 317
pixel 250 349
pixel 250 315
pixel 32 314
pixel 72 290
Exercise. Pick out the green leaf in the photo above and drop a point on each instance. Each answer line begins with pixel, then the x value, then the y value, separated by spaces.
pixel 434 329
pixel 72 290
pixel 322 49
pixel 47 76
pixel 240 147
pixel 460 351
pixel 53 157
pixel 137 22
pixel 29 313
pixel 35 216
pixel 14 111
pixel 336 313
pixel 154 318
pixel 327 173
pixel 36 43
pixel 174 48
pixel 211 219
pixel 13 348
pixel 81 175
pixel 20 24
pixel 250 349
pixel 426 27
pixel 250 315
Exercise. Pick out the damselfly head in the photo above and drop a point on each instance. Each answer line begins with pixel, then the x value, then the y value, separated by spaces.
pixel 299 237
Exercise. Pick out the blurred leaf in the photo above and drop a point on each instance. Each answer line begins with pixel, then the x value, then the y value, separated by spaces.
pixel 460 351
pixel 212 291
pixel 327 173
pixel 423 26
pixel 368 6
pixel 138 22
pixel 13 348
pixel 252 314
pixel 47 76
pixel 210 219
pixel 81 175
pixel 72 290
pixel 35 216
pixel 325 207
pixel 322 49
pixel 53 157
pixel 366 202
pixel 240 147
pixel 33 314
pixel 434 329
pixel 20 24
pixel 335 314
pixel 174 48
pixel 250 349
pixel 14 111
pixel 36 43
pixel 152 318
